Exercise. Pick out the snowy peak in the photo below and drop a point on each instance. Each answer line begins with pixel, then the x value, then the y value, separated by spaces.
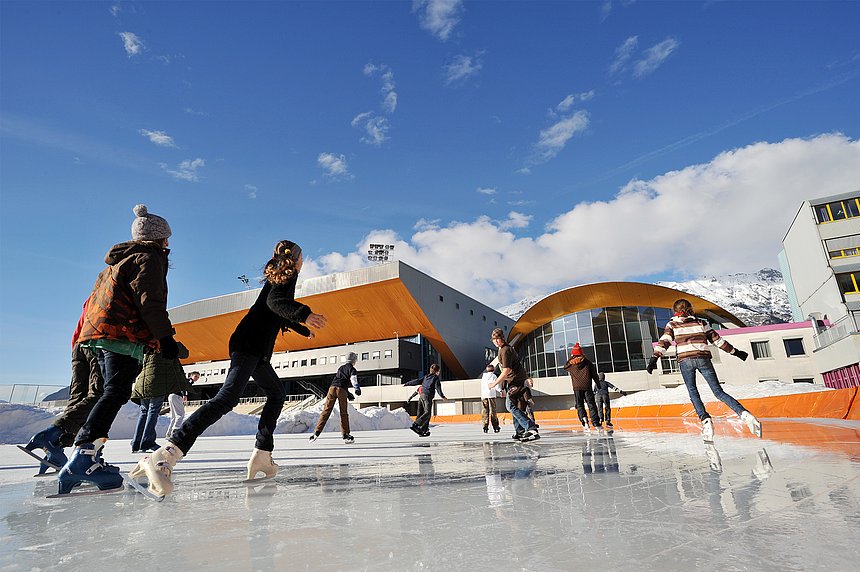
pixel 756 298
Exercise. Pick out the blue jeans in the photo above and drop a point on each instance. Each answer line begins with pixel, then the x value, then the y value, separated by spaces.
pixel 705 366
pixel 522 423
pixel 144 432
pixel 119 372
pixel 242 367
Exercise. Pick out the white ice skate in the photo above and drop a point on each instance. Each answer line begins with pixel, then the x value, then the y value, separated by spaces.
pixel 753 423
pixel 261 462
pixel 158 469
pixel 714 460
pixel 708 430
pixel 763 468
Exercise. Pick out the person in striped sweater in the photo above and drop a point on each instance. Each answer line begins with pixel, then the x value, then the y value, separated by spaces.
pixel 691 336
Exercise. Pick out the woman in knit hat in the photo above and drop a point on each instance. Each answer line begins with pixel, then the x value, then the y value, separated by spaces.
pixel 251 347
pixel 582 372
pixel 125 318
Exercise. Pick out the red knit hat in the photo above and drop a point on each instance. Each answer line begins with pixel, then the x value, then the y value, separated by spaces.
pixel 576 350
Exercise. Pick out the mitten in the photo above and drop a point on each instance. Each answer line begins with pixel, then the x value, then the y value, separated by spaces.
pixel 652 365
pixel 740 354
pixel 358 391
pixel 350 396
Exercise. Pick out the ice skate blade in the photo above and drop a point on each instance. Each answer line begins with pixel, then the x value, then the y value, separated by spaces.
pixel 42 460
pixel 256 480
pixel 86 493
pixel 50 474
pixel 141 489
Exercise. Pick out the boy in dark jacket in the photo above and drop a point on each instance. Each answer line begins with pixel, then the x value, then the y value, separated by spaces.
pixel 430 384
pixel 126 317
pixel 582 372
pixel 339 391
pixel 601 397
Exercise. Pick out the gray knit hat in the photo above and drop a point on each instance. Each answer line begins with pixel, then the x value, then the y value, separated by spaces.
pixel 148 226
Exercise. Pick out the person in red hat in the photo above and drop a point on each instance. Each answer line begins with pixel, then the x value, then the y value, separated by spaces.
pixel 582 372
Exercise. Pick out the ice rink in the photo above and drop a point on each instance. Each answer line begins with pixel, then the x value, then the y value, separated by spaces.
pixel 651 496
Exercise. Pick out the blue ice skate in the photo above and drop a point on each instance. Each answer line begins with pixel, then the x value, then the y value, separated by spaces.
pixel 86 466
pixel 49 441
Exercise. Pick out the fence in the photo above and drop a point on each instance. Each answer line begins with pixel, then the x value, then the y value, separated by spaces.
pixel 27 392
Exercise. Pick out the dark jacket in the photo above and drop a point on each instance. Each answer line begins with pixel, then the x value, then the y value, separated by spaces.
pixel 343 376
pixel 129 299
pixel 582 372
pixel 160 376
pixel 509 359
pixel 275 310
pixel 430 384
pixel 602 387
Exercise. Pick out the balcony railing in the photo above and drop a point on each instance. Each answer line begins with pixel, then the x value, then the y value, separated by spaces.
pixel 841 328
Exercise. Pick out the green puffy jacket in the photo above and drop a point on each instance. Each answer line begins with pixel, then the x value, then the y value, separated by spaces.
pixel 160 376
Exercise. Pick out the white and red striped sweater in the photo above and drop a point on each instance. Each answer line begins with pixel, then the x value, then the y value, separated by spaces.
pixel 691 336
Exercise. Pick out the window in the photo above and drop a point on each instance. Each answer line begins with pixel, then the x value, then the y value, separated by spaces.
pixel 323 360
pixel 277 366
pixel 286 364
pixel 848 252
pixel 441 298
pixel 342 359
pixel 313 361
pixel 471 312
pixel 848 282
pixel 304 362
pixel 837 210
pixel 804 380
pixel 375 355
pixel 766 379
pixel 295 363
pixel 365 356
pixel 387 353
pixel 457 305
pixel 332 359
pixel 223 371
pixel 761 350
pixel 794 347
pixel 484 318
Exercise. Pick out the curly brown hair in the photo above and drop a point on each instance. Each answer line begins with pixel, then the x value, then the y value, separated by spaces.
pixel 282 266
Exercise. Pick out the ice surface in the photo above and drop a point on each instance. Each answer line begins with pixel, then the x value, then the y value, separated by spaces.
pixel 645 498
pixel 666 395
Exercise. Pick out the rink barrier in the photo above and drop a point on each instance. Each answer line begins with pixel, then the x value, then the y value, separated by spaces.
pixel 833 404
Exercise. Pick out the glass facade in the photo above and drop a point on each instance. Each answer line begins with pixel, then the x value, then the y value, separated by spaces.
pixel 616 339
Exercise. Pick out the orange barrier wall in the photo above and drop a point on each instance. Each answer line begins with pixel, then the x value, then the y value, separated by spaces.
pixel 835 404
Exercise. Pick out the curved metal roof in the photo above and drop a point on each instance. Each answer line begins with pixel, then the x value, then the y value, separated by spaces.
pixel 607 294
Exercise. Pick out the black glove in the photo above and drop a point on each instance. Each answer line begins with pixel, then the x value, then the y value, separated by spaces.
pixel 169 347
pixel 740 354
pixel 350 396
pixel 652 365
pixel 358 391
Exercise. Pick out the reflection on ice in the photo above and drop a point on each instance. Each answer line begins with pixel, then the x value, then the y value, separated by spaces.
pixel 654 500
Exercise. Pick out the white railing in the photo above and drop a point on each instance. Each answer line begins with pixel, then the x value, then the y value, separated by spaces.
pixel 290 399
pixel 841 328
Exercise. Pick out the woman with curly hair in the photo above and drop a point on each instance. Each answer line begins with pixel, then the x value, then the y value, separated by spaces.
pixel 251 347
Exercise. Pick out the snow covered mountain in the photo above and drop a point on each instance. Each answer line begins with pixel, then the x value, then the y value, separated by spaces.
pixel 756 298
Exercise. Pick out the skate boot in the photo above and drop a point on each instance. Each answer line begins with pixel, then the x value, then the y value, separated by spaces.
pixel 49 441
pixel 753 423
pixel 158 468
pixel 261 462
pixel 585 427
pixel 348 439
pixel 314 437
pixel 708 430
pixel 85 467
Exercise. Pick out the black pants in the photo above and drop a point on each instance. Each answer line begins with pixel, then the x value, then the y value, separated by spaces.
pixel 425 411
pixel 120 372
pixel 581 397
pixel 603 407
pixel 242 366
pixel 85 389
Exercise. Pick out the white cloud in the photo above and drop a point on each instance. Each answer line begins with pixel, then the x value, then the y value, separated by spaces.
pixel 115 10
pixel 515 220
pixel 334 166
pixel 389 96
pixel 461 68
pixel 568 102
pixel 132 43
pixel 375 126
pixel 623 54
pixel 553 139
pixel 158 137
pixel 751 193
pixel 655 56
pixel 439 17
pixel 251 190
pixel 186 170
pixel 191 111
pixel 486 191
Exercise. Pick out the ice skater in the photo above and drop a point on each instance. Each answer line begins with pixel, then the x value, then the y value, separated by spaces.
pixel 691 336
pixel 177 401
pixel 513 379
pixel 85 388
pixel 601 398
pixel 251 347
pixel 582 372
pixel 158 379
pixel 125 318
pixel 488 399
pixel 339 392
pixel 430 384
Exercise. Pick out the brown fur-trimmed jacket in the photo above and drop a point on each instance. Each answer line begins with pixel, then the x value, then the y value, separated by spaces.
pixel 582 372
pixel 129 299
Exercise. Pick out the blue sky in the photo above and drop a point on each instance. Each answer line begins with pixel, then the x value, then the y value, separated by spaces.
pixel 507 148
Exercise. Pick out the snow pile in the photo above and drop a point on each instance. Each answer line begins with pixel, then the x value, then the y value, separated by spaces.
pixel 664 396
pixel 19 422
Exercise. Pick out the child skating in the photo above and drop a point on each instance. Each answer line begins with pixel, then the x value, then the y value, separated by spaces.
pixel 691 336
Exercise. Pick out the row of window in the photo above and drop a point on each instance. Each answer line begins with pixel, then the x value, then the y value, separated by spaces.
pixel 793 347
pixel 324 360
pixel 838 210
pixel 844 253
pixel 848 282
pixel 471 312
